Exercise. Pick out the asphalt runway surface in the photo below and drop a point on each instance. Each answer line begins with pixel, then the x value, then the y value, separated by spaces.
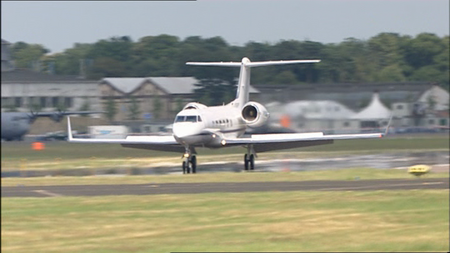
pixel 195 188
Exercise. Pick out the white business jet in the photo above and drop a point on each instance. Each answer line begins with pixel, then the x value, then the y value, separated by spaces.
pixel 198 125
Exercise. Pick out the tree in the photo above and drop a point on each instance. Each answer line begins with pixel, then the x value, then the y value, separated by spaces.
pixel 86 106
pixel 392 73
pixel 110 109
pixel 385 57
pixel 214 91
pixel 178 105
pixel 157 106
pixel 134 109
pixel 68 62
pixel 285 77
pixel 28 55
pixel 107 67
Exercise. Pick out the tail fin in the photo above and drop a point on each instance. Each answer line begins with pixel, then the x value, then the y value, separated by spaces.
pixel 244 75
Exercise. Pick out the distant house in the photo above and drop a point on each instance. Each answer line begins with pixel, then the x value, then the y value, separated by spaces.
pixel 156 97
pixel 412 104
pixel 24 89
pixel 353 95
pixel 321 115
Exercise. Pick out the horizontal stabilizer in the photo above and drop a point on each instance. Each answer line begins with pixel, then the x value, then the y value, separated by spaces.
pixel 267 63
pixel 246 62
pixel 222 64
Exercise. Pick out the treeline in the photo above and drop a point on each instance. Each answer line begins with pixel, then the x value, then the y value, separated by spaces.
pixel 386 57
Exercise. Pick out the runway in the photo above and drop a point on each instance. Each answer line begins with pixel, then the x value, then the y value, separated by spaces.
pixel 196 188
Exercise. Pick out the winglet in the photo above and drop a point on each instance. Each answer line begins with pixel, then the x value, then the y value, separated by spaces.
pixel 69 130
pixel 388 125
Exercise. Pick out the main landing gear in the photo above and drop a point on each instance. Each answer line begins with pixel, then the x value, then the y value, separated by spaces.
pixel 190 162
pixel 249 158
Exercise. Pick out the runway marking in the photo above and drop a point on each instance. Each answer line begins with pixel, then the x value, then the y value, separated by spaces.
pixel 51 194
pixel 433 183
pixel 376 186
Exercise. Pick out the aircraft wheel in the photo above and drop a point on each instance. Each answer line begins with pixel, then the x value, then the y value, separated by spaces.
pixel 188 169
pixel 194 164
pixel 246 161
pixel 252 162
pixel 184 167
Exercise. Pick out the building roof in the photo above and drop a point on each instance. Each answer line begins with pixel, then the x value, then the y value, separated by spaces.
pixel 124 84
pixel 171 85
pixel 438 95
pixel 349 94
pixel 376 110
pixel 29 76
pixel 175 85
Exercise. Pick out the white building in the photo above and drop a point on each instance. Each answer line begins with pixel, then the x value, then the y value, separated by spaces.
pixel 25 89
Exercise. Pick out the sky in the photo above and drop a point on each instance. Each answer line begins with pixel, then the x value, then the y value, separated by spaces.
pixel 58 25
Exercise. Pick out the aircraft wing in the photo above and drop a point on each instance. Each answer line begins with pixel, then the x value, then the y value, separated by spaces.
pixel 269 142
pixel 162 143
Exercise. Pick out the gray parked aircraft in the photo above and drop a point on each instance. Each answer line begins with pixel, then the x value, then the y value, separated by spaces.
pixel 16 124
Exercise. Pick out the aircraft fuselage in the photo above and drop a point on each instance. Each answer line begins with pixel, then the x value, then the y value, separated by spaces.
pixel 14 125
pixel 207 127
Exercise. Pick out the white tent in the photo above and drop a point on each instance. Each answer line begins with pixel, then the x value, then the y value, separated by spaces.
pixel 376 110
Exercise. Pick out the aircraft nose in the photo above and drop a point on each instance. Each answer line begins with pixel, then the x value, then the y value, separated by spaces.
pixel 181 131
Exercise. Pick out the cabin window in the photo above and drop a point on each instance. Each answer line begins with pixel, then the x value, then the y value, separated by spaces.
pixel 199 119
pixel 191 118
pixel 179 119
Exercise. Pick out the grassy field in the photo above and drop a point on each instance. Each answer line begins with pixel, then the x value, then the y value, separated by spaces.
pixel 63 155
pixel 273 221
pixel 341 174
pixel 415 220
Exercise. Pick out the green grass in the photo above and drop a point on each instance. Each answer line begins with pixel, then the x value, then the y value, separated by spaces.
pixel 414 220
pixel 341 174
pixel 63 155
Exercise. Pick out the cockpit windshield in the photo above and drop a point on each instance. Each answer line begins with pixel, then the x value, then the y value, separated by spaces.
pixel 189 118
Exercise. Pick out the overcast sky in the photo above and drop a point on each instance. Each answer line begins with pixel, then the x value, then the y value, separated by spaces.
pixel 58 25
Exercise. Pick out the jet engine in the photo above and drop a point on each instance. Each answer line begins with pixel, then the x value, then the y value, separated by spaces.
pixel 254 114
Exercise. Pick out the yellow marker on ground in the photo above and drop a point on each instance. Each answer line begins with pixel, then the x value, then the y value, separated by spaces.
pixel 419 170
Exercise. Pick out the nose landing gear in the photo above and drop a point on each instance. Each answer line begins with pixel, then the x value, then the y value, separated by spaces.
pixel 190 162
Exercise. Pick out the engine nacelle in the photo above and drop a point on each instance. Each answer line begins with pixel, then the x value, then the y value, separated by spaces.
pixel 194 105
pixel 254 114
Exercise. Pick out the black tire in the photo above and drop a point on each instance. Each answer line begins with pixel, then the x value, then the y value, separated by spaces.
pixel 252 162
pixel 184 167
pixel 194 164
pixel 246 162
